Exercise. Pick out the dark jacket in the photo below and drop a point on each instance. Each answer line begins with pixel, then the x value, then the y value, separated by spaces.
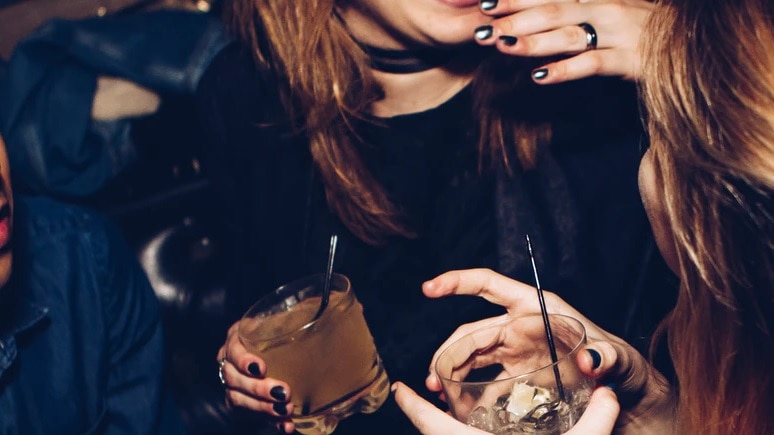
pixel 48 87
pixel 80 335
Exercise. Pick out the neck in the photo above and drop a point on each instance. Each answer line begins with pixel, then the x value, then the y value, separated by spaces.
pixel 414 92
pixel 406 61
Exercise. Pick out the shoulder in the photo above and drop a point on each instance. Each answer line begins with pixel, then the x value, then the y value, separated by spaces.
pixel 68 240
pixel 37 219
pixel 67 252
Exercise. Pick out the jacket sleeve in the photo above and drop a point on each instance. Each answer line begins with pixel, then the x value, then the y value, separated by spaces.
pixel 136 397
pixel 48 86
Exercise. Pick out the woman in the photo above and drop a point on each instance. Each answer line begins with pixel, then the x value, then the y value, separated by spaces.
pixel 708 185
pixel 384 122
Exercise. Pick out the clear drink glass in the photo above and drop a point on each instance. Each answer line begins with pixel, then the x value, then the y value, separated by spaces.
pixel 501 379
pixel 330 363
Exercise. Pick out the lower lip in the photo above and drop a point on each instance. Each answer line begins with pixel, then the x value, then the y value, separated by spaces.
pixel 461 3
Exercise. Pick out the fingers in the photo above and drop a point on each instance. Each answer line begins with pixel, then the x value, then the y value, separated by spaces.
pixel 432 381
pixel 238 356
pixel 600 414
pixel 539 20
pixel 518 298
pixel 486 283
pixel 243 377
pixel 594 62
pixel 545 28
pixel 428 419
pixel 618 364
pixel 267 395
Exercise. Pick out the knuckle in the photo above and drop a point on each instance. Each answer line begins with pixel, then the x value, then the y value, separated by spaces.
pixel 594 63
pixel 552 12
pixel 527 45
pixel 505 26
pixel 572 35
pixel 233 398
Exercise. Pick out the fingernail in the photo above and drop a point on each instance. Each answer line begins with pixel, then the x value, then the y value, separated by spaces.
pixel 488 5
pixel 483 32
pixel 254 369
pixel 610 385
pixel 278 393
pixel 596 358
pixel 540 74
pixel 280 408
pixel 508 40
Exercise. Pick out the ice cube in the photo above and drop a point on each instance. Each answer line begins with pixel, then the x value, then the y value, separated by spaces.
pixel 482 418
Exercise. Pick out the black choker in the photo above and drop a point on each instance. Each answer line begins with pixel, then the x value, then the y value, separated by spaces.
pixel 406 61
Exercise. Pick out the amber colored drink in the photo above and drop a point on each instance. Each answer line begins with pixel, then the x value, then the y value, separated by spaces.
pixel 330 363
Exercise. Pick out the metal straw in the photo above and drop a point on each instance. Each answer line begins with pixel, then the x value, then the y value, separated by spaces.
pixel 546 323
pixel 326 292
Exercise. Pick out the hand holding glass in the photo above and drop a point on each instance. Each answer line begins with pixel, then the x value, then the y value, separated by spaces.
pixel 330 363
pixel 501 378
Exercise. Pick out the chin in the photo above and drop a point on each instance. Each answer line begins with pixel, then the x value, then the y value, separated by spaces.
pixel 461 33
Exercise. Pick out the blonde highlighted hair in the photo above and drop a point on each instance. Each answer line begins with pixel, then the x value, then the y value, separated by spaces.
pixel 708 86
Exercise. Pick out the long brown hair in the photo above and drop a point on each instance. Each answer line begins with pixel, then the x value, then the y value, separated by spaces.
pixel 708 86
pixel 329 85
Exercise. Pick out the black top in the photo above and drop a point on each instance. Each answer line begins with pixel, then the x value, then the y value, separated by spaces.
pixel 427 162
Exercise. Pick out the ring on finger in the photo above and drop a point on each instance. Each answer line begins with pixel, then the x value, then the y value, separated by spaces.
pixel 221 376
pixel 591 35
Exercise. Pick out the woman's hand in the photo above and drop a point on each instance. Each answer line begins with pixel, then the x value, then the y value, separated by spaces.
pixel 646 399
pixel 540 28
pixel 243 373
pixel 598 419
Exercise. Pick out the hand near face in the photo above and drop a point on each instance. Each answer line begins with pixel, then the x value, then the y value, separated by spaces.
pixel 539 28
pixel 645 396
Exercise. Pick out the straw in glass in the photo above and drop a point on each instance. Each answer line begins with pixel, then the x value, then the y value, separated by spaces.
pixel 546 323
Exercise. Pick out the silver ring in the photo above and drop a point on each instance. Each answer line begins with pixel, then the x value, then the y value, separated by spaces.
pixel 221 376
pixel 591 35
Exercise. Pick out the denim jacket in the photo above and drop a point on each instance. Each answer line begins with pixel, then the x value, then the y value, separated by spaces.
pixel 48 86
pixel 80 335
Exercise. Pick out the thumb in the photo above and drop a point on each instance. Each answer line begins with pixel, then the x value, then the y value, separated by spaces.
pixel 600 414
pixel 427 418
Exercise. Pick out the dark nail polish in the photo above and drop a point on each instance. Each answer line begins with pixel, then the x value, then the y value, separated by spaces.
pixel 280 408
pixel 508 40
pixel 278 393
pixel 483 32
pixel 488 5
pixel 540 74
pixel 610 385
pixel 596 358
pixel 254 369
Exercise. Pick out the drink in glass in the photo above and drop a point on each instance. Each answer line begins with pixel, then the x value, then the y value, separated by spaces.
pixel 330 363
pixel 501 378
